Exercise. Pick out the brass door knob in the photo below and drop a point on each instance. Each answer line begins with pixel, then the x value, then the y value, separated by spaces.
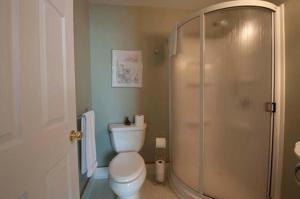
pixel 75 135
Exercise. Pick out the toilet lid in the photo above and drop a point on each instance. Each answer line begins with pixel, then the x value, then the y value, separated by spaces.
pixel 126 166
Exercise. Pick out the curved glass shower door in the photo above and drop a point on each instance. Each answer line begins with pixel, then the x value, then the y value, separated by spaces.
pixel 237 130
pixel 185 105
pixel 222 80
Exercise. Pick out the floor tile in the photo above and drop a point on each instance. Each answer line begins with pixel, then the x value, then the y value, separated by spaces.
pixel 100 189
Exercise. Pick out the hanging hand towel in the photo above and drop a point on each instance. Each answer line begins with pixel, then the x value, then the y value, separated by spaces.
pixel 88 144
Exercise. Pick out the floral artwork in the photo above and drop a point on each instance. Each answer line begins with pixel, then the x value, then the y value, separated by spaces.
pixel 127 68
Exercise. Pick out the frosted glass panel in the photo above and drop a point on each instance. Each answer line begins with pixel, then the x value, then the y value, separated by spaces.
pixel 185 107
pixel 238 84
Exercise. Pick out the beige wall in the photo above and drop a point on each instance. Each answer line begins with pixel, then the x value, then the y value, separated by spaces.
pixel 290 190
pixel 145 29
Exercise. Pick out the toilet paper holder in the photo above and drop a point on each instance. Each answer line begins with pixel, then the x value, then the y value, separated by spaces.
pixel 160 142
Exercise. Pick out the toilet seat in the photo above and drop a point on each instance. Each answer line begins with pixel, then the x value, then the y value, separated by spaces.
pixel 126 167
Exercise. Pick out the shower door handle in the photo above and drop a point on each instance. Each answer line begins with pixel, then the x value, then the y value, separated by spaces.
pixel 270 107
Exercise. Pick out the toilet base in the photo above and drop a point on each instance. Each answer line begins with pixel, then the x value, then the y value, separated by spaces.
pixel 130 190
pixel 135 196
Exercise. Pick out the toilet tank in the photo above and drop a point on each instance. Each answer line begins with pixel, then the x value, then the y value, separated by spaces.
pixel 127 138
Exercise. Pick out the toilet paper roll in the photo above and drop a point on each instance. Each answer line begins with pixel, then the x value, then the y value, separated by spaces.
pixel 160 143
pixel 139 120
pixel 160 171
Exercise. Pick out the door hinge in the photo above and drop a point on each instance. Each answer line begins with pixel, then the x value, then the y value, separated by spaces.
pixel 271 107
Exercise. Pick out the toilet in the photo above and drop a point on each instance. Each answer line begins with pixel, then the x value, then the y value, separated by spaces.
pixel 127 171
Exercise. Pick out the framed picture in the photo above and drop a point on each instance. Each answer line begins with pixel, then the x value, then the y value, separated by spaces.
pixel 127 68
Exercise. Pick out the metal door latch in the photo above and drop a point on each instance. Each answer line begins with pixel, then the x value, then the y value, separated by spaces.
pixel 271 107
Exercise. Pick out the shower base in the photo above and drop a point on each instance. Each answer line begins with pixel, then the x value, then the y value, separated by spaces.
pixel 181 190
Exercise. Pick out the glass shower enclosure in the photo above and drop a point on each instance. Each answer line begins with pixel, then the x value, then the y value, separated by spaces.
pixel 222 102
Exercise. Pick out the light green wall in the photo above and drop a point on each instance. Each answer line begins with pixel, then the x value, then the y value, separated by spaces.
pixel 82 63
pixel 122 27
pixel 82 55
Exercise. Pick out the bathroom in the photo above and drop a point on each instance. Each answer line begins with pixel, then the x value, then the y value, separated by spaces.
pixel 58 62
pixel 117 27
pixel 129 26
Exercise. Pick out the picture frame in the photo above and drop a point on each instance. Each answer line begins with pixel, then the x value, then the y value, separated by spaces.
pixel 127 68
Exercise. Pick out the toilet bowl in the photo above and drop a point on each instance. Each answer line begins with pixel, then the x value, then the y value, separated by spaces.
pixel 127 172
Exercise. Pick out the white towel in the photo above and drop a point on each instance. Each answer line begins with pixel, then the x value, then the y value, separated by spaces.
pixel 88 144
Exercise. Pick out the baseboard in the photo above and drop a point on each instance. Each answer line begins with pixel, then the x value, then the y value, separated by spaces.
pixel 101 173
pixel 88 189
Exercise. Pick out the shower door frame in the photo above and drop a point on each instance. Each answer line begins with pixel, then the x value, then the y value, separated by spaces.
pixel 278 93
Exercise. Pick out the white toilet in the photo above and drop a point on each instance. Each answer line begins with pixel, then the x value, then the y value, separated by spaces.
pixel 127 171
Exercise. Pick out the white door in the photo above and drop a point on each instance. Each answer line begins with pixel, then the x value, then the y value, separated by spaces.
pixel 37 100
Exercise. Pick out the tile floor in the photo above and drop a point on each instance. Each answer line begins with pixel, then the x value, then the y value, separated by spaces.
pixel 100 189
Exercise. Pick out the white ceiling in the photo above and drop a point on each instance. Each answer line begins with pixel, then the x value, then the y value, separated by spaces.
pixel 180 4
